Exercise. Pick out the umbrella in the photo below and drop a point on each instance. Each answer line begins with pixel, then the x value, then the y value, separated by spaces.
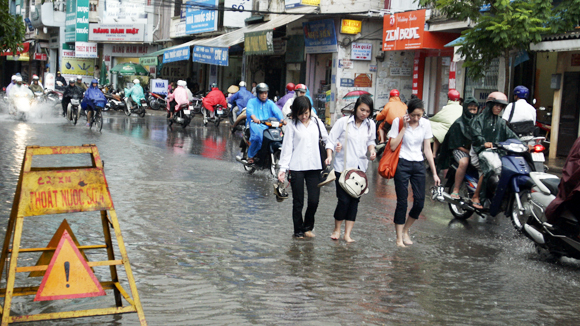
pixel 355 94
pixel 129 68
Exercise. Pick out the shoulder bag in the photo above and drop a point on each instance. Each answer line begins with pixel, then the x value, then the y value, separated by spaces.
pixel 353 181
pixel 321 146
pixel 521 128
pixel 390 160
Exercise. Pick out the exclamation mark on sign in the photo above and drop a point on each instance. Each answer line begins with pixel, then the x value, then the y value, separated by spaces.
pixel 66 271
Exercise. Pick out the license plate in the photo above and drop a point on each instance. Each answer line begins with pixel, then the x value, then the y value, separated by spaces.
pixel 220 112
pixel 144 104
pixel 187 111
pixel 538 157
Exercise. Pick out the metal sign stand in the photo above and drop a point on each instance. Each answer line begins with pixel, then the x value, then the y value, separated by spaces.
pixel 55 190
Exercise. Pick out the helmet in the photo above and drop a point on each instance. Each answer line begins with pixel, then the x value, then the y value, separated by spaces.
pixel 213 85
pixel 497 97
pixel 290 87
pixel 242 84
pixel 300 88
pixel 72 80
pixel 13 77
pixel 35 77
pixel 18 79
pixel 79 78
pixel 262 87
pixel 136 81
pixel 181 83
pixel 521 91
pixel 394 92
pixel 453 95
pixel 58 72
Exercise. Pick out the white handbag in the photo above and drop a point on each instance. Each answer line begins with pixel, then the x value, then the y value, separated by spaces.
pixel 353 181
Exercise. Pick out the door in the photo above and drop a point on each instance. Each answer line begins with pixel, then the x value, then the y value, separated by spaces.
pixel 569 113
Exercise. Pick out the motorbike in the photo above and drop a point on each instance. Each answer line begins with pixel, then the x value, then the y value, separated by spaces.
pixel 137 108
pixel 21 105
pixel 157 101
pixel 505 189
pixel 219 115
pixel 182 115
pixel 268 156
pixel 114 101
pixel 53 97
pixel 537 157
pixel 73 111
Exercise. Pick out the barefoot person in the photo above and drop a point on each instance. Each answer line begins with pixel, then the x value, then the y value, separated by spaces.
pixel 416 133
pixel 301 156
pixel 361 138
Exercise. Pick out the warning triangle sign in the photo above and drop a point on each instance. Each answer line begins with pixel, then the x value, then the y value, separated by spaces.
pixel 68 275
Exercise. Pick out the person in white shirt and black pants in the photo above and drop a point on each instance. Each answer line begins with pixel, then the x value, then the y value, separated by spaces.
pixel 416 133
pixel 301 156
pixel 361 138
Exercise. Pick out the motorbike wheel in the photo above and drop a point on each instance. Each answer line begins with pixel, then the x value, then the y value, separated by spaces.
pixel 127 111
pixel 142 113
pixel 456 211
pixel 519 220
pixel 154 104
pixel 217 121
pixel 275 164
pixel 204 114
pixel 186 123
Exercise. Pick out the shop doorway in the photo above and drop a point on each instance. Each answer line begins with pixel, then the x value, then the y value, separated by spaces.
pixel 569 113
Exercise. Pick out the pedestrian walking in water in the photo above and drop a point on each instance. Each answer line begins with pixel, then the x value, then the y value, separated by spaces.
pixel 416 133
pixel 301 157
pixel 361 138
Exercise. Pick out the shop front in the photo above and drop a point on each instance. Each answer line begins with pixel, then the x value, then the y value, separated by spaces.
pixel 265 60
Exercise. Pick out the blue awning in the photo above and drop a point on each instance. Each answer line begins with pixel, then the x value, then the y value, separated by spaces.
pixel 455 42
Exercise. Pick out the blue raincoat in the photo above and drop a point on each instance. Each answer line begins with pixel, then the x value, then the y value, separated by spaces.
pixel 93 95
pixel 310 98
pixel 136 93
pixel 262 111
pixel 241 98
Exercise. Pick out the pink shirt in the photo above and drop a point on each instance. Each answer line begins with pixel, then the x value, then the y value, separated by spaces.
pixel 180 96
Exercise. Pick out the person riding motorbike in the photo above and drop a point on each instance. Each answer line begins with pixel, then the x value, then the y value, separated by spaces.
pixel 93 95
pixel 80 84
pixel 135 93
pixel 181 95
pixel 60 78
pixel 12 83
pixel 260 108
pixel 240 98
pixel 300 90
pixel 441 121
pixel 289 94
pixel 213 98
pixel 486 129
pixel 394 109
pixel 523 119
pixel 35 85
pixel 568 189
pixel 19 90
pixel 69 92
pixel 457 144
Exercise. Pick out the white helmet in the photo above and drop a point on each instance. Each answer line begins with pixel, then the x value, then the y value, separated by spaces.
pixel 136 81
pixel 13 77
pixel 18 79
pixel 242 84
pixel 35 77
pixel 79 78
pixel 181 83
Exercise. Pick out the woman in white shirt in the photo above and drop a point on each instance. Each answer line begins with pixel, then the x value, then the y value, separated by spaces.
pixel 416 133
pixel 361 137
pixel 301 156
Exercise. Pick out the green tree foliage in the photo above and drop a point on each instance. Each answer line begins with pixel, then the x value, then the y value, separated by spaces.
pixel 506 28
pixel 12 30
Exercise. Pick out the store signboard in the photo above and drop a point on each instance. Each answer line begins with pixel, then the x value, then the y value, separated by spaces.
pixel 68 50
pixel 350 26
pixel 148 61
pixel 320 36
pixel 200 19
pixel 210 55
pixel 238 11
pixel 158 86
pixel 86 50
pixel 77 66
pixel 117 32
pixel 40 57
pixel 261 43
pixel 361 51
pixel 174 55
pixel 77 21
pixel 299 3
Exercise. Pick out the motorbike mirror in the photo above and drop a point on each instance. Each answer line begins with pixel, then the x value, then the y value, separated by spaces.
pixel 534 101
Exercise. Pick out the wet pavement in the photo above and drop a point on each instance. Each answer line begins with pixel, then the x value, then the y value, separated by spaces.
pixel 209 244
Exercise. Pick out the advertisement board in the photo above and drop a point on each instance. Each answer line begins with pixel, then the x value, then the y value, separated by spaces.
pixel 240 10
pixel 350 26
pixel 86 50
pixel 117 32
pixel 158 86
pixel 261 42
pixel 363 80
pixel 289 4
pixel 200 19
pixel 361 51
pixel 77 66
pixel 210 55
pixel 320 36
pixel 148 61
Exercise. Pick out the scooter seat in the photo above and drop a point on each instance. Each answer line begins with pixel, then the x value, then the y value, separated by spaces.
pixel 552 185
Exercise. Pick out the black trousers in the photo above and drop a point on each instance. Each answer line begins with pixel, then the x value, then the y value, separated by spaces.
pixel 414 172
pixel 64 103
pixel 347 206
pixel 297 180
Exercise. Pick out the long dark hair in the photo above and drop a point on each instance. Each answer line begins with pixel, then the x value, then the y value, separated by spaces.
pixel 300 105
pixel 415 103
pixel 366 99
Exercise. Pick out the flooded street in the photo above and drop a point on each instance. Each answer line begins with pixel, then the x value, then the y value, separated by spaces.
pixel 210 245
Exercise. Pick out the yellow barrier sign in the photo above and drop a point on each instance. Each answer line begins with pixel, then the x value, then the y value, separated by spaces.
pixel 66 271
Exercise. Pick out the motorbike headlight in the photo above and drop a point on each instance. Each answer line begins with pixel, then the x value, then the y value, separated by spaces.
pixel 516 148
pixel 275 124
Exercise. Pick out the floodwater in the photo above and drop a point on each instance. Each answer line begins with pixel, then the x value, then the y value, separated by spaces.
pixel 209 244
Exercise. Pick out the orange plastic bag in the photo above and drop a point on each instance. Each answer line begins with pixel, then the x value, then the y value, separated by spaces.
pixel 390 160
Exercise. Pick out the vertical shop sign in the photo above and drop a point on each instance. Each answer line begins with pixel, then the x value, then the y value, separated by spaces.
pixel 261 42
pixel 201 17
pixel 320 36
pixel 77 21
pixel 70 23
pixel 452 69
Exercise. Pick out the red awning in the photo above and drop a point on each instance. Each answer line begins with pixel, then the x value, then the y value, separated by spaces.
pixel 22 48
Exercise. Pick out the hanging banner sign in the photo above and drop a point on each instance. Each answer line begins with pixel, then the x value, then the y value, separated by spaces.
pixel 349 26
pixel 148 61
pixel 86 50
pixel 210 55
pixel 361 51
pixel 320 36
pixel 178 54
pixel 198 19
pixel 117 33
pixel 240 10
pixel 261 42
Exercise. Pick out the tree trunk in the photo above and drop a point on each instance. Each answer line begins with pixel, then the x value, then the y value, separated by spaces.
pixel 506 89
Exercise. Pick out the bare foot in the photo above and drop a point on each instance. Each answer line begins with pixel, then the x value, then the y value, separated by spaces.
pixel 400 244
pixel 309 234
pixel 348 239
pixel 407 239
pixel 335 235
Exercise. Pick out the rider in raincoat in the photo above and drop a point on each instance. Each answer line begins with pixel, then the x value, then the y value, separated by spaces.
pixel 136 92
pixel 93 97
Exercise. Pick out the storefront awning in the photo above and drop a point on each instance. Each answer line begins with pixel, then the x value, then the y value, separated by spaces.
pixel 455 42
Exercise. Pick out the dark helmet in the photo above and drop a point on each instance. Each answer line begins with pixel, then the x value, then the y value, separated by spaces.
pixel 262 87
pixel 497 97
pixel 213 85
pixel 290 87
pixel 521 91
pixel 453 95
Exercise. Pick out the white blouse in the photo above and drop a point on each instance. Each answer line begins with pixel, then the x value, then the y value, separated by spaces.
pixel 411 150
pixel 300 146
pixel 359 139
